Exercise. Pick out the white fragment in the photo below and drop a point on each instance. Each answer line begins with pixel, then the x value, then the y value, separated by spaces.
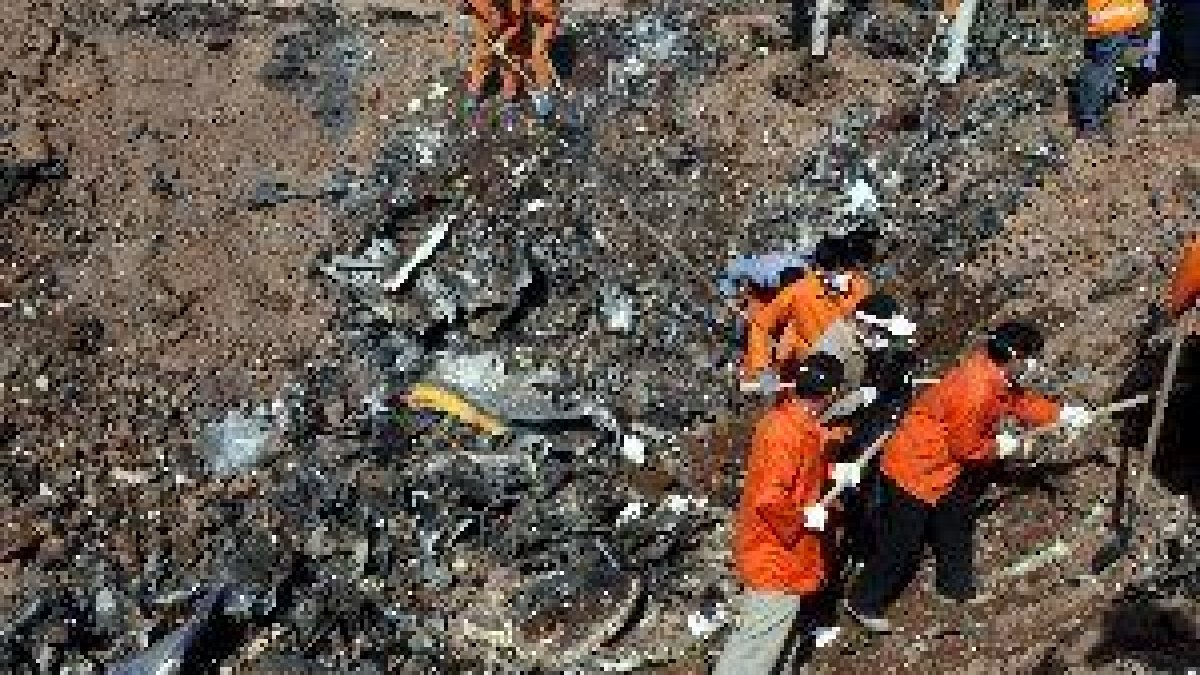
pixel 630 513
pixel 862 198
pixel 677 503
pixel 633 448
pixel 131 477
pixel 826 635
pixel 703 624
pixel 426 249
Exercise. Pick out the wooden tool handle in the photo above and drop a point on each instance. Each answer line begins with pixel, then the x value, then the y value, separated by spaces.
pixel 862 461
pixel 752 386
pixel 1110 409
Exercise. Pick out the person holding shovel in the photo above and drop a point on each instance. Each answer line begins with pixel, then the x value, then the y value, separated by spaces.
pixel 1110 30
pixel 496 25
pixel 927 463
pixel 782 551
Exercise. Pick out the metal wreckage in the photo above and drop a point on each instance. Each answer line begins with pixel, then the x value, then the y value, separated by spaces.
pixel 529 483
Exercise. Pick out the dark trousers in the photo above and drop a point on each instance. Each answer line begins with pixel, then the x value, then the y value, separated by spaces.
pixel 1096 85
pixel 1180 59
pixel 905 523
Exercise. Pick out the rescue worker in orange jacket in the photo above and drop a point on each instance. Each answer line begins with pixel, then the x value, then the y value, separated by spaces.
pixel 1111 23
pixel 927 466
pixel 497 26
pixel 750 283
pixel 781 549
pixel 807 307
pixel 1185 285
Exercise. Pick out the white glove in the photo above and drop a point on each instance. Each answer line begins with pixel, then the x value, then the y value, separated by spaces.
pixel 847 473
pixel 868 394
pixel 900 326
pixel 498 47
pixel 815 517
pixel 1076 417
pixel 1007 444
pixel 768 382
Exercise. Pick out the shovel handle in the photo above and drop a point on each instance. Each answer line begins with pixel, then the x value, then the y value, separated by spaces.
pixel 752 386
pixel 862 461
pixel 1099 413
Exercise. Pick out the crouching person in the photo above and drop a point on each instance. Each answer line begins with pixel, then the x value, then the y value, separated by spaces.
pixel 781 550
pixel 927 465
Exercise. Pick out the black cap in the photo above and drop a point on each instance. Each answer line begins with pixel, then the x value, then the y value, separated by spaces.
pixel 878 305
pixel 817 375
pixel 855 249
pixel 1014 340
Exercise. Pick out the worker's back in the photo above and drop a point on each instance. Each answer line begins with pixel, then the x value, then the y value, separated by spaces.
pixel 953 421
pixel 1185 287
pixel 786 467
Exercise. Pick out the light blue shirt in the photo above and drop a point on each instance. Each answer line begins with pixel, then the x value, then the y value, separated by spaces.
pixel 764 270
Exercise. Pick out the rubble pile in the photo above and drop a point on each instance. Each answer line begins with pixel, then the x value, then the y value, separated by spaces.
pixel 383 395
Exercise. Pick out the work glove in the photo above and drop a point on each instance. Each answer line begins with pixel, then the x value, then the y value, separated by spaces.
pixel 840 282
pixel 1075 417
pixel 847 474
pixel 868 395
pixel 1007 444
pixel 499 48
pixel 815 517
pixel 900 326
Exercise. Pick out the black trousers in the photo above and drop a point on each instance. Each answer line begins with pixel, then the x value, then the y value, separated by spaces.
pixel 904 524
pixel 1180 60
pixel 803 13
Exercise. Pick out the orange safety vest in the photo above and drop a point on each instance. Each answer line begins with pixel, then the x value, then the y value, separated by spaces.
pixel 1113 17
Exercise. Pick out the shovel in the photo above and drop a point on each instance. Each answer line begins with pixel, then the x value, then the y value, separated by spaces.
pixel 1118 546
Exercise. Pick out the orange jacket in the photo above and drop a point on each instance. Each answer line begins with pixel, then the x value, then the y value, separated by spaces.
pixel 1113 17
pixel 1185 287
pixel 787 467
pixel 953 423
pixel 806 309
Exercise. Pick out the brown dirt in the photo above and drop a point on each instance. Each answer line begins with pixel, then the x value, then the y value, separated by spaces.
pixel 205 302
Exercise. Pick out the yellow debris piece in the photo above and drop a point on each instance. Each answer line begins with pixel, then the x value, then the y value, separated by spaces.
pixel 432 397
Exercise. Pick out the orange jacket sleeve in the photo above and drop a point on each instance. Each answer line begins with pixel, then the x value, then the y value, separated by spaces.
pixel 763 322
pixel 1185 285
pixel 1033 409
pixel 860 288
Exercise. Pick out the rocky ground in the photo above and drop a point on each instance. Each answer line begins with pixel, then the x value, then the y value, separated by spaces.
pixel 197 221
